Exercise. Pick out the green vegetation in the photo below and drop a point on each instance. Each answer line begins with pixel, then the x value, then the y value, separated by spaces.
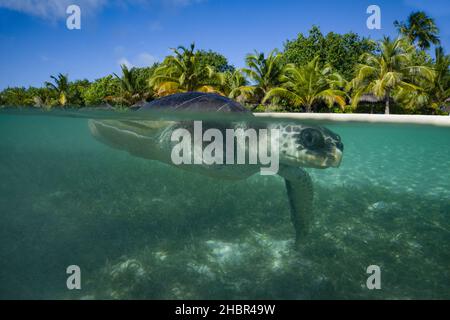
pixel 265 73
pixel 341 52
pixel 133 87
pixel 101 91
pixel 421 28
pixel 233 84
pixel 309 85
pixel 213 59
pixel 390 72
pixel 60 87
pixel 313 73
pixel 182 72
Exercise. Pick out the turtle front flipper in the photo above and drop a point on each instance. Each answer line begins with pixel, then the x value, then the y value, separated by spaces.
pixel 300 192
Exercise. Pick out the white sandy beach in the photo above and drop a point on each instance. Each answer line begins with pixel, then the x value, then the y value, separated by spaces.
pixel 443 121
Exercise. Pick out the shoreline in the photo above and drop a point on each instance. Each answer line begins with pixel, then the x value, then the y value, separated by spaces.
pixel 441 121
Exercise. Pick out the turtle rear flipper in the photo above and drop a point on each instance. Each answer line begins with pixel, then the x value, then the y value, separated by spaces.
pixel 300 192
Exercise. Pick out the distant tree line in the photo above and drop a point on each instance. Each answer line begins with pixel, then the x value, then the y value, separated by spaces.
pixel 313 73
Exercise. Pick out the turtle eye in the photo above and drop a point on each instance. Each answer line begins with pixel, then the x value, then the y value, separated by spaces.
pixel 311 139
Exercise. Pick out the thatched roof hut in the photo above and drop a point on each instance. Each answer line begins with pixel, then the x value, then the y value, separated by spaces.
pixel 446 106
pixel 446 109
pixel 370 98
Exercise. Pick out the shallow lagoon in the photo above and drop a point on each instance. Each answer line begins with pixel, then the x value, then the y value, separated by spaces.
pixel 141 229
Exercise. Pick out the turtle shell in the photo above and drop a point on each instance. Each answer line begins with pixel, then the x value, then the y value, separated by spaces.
pixel 196 102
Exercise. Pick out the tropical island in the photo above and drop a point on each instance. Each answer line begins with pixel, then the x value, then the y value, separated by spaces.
pixel 337 73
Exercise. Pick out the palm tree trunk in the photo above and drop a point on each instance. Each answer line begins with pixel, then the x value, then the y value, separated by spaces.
pixel 307 108
pixel 387 102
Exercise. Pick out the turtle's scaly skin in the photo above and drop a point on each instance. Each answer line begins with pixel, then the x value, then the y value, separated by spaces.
pixel 300 146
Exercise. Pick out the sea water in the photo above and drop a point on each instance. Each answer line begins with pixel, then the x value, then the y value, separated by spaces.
pixel 139 229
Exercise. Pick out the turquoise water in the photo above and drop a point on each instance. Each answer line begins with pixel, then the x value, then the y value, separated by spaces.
pixel 141 229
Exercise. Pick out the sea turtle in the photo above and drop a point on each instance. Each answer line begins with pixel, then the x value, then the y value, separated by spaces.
pixel 300 146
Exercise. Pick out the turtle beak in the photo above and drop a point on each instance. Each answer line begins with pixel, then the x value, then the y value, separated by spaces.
pixel 335 157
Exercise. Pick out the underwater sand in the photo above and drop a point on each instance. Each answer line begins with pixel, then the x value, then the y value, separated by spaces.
pixel 139 229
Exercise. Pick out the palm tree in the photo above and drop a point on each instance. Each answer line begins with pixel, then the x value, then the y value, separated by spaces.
pixel 42 98
pixel 391 70
pixel 130 91
pixel 265 72
pixel 421 28
pixel 60 86
pixel 433 94
pixel 182 72
pixel 232 84
pixel 440 90
pixel 308 85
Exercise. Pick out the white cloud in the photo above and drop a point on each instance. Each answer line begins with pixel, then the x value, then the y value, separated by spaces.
pixel 143 59
pixel 119 50
pixel 51 9
pixel 125 61
pixel 183 3
pixel 56 9
pixel 155 26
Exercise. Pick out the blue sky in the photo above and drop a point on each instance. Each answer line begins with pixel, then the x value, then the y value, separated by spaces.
pixel 35 43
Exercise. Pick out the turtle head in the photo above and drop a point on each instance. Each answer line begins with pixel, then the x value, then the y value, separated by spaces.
pixel 310 146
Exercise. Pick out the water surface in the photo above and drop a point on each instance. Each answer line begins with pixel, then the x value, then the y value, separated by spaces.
pixel 142 229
